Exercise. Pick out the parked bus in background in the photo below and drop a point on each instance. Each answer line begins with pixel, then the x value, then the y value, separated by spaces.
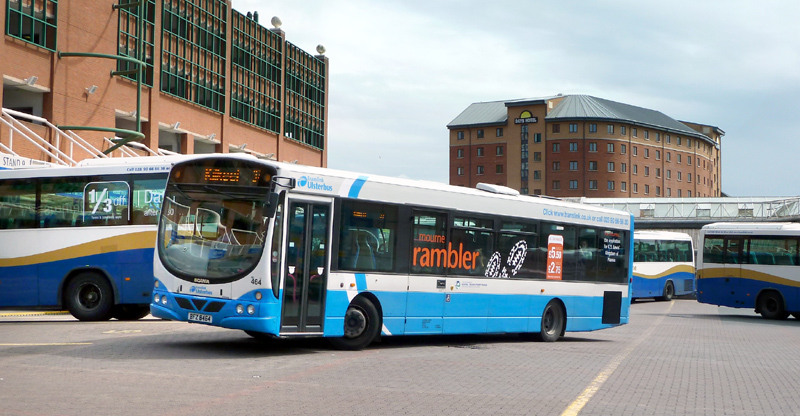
pixel 282 250
pixel 81 238
pixel 751 265
pixel 663 265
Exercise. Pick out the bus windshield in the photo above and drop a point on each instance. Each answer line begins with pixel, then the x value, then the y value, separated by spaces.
pixel 213 222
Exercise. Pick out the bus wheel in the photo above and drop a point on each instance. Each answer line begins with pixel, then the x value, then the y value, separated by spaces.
pixel 362 324
pixel 770 306
pixel 89 297
pixel 130 312
pixel 669 292
pixel 552 322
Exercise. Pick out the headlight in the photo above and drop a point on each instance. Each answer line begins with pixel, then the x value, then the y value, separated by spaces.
pixel 239 309
pixel 156 284
pixel 156 298
pixel 164 300
pixel 251 309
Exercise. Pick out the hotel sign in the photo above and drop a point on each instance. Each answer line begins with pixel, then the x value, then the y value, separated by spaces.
pixel 525 118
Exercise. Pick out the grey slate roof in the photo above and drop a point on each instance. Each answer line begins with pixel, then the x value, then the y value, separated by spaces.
pixel 586 106
pixel 488 113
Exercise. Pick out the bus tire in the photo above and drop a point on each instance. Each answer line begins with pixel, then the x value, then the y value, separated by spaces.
pixel 89 297
pixel 553 321
pixel 669 291
pixel 362 324
pixel 130 312
pixel 795 315
pixel 770 306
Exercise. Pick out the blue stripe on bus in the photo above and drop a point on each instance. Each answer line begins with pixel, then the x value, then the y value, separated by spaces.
pixel 737 292
pixel 361 282
pixel 355 189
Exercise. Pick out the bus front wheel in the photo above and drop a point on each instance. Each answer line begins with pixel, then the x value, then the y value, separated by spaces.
pixel 553 321
pixel 770 306
pixel 669 292
pixel 89 297
pixel 362 324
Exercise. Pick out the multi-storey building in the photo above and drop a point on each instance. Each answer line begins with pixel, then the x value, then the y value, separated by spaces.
pixel 578 145
pixel 213 80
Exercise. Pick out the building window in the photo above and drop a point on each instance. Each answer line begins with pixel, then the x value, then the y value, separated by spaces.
pixel 647 189
pixel 623 149
pixel 679 158
pixel 556 128
pixel 573 146
pixel 480 151
pixel 610 166
pixel 127 41
pixel 499 169
pixel 689 143
pixel 593 184
pixel 636 188
pixel 669 156
pixel 679 193
pixel 658 172
pixel 556 165
pixel 658 155
pixel 635 151
pixel 666 137
pixel 460 153
pixel 556 184
pixel 623 186
pixel 658 137
pixel 646 135
pixel 610 185
pixel 573 185
pixel 610 147
pixel 679 176
pixel 537 156
pixel 689 160
pixel 480 133
pixel 480 170
pixel 689 177
pixel 669 174
pixel 678 140
pixel 592 165
pixel 647 171
pixel 688 194
pixel 34 22
pixel 646 153
pixel 498 151
pixel 622 130
pixel 623 167
pixel 537 175
pixel 592 147
pixel 633 132
pixel 556 147
pixel 658 191
pixel 460 171
pixel 635 169
pixel 610 128
pixel 537 137
pixel 523 153
pixel 573 127
pixel 460 135
pixel 573 166
pixel 523 191
pixel 669 192
pixel 499 132
pixel 592 128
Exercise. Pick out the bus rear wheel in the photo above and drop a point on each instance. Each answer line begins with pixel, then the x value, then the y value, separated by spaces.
pixel 669 292
pixel 770 306
pixel 362 324
pixel 553 321
pixel 89 297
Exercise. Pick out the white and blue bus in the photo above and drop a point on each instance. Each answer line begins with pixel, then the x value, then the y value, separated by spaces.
pixel 663 265
pixel 751 265
pixel 81 238
pixel 282 250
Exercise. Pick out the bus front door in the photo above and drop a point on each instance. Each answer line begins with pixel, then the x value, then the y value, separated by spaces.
pixel 307 271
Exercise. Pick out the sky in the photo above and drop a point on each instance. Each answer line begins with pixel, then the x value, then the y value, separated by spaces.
pixel 400 71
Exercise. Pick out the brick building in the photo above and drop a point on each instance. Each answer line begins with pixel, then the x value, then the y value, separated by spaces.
pixel 214 79
pixel 578 145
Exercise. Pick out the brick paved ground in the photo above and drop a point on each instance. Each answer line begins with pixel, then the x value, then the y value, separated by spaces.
pixel 674 358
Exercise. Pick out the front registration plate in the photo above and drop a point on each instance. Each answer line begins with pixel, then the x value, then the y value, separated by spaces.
pixel 197 317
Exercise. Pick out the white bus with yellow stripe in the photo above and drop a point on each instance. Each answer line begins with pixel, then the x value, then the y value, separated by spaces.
pixel 751 265
pixel 81 238
pixel 663 265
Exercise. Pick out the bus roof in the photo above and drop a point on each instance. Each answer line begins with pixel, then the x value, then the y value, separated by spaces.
pixel 754 226
pixel 661 235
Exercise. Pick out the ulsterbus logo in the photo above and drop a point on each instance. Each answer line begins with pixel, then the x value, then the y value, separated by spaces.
pixel 199 290
pixel 315 183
